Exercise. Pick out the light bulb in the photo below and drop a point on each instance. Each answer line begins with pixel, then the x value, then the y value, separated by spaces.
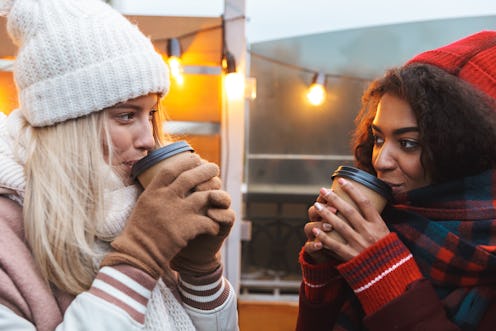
pixel 316 94
pixel 235 86
pixel 176 69
pixel 174 60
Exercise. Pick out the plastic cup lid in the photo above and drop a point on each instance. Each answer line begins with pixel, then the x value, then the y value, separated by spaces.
pixel 366 179
pixel 158 155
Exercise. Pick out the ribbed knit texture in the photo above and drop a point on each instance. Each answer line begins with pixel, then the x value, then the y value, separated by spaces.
pixel 116 210
pixel 12 162
pixel 381 273
pixel 318 279
pixel 76 57
pixel 472 58
pixel 206 292
pixel 165 312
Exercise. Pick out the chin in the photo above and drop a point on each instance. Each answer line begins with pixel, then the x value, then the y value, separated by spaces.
pixel 124 174
pixel 127 181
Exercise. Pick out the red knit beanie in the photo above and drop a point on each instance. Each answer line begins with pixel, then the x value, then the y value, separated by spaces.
pixel 472 58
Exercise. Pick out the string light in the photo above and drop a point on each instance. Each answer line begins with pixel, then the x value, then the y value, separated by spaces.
pixel 317 94
pixel 228 62
pixel 234 82
pixel 174 60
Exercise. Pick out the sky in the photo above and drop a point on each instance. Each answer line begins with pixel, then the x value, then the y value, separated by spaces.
pixel 277 19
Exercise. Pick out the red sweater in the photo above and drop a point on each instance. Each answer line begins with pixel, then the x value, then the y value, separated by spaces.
pixel 389 286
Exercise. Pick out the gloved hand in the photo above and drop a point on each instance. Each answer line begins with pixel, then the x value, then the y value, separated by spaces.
pixel 187 160
pixel 168 214
pixel 181 162
pixel 201 255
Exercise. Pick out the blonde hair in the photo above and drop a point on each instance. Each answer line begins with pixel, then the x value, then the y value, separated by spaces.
pixel 64 200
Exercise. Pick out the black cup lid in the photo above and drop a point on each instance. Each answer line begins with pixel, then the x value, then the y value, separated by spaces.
pixel 158 155
pixel 365 179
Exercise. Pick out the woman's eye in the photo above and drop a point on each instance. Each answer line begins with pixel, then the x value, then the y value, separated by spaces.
pixel 151 113
pixel 378 141
pixel 126 116
pixel 409 144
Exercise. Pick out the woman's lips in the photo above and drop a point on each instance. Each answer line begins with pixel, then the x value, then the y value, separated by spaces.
pixel 396 188
pixel 129 164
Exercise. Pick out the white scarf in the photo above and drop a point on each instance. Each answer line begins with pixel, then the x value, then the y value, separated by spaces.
pixel 164 311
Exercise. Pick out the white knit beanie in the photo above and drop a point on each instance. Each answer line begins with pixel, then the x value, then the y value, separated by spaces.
pixel 76 57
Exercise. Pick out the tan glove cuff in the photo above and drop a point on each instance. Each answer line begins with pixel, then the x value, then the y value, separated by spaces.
pixel 115 258
pixel 132 252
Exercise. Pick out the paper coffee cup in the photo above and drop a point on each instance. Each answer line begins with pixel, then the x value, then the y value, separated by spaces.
pixel 378 192
pixel 145 169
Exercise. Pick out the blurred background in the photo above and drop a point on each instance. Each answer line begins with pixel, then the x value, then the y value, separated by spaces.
pixel 240 95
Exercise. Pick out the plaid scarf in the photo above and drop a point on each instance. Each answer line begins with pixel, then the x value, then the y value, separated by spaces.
pixel 450 228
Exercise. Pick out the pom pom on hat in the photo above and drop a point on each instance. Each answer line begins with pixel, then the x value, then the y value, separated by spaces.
pixel 472 58
pixel 76 57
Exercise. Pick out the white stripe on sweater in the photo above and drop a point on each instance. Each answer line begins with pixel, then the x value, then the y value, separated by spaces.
pixel 383 274
pixel 203 299
pixel 128 281
pixel 116 293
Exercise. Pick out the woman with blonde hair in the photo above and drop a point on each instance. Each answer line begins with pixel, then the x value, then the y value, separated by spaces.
pixel 83 247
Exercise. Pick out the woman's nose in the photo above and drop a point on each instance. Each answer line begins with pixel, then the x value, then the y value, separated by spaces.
pixel 144 138
pixel 384 158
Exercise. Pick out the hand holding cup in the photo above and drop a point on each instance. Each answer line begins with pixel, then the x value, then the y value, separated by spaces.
pixel 378 192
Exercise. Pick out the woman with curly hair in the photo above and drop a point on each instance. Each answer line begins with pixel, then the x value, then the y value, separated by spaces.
pixel 428 261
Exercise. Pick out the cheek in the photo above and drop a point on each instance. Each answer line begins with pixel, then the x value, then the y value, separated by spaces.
pixel 413 169
pixel 374 155
pixel 376 158
pixel 121 141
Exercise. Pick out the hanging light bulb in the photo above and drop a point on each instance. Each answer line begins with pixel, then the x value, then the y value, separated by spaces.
pixel 316 94
pixel 233 81
pixel 174 60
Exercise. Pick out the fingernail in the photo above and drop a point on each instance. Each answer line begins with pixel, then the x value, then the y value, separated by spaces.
pixel 317 245
pixel 325 191
pixel 326 227
pixel 318 206
pixel 341 181
pixel 316 231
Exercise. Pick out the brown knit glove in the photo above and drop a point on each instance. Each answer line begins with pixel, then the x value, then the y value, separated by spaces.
pixel 201 256
pixel 168 214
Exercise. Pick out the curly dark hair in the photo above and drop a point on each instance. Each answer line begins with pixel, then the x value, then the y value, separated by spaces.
pixel 457 122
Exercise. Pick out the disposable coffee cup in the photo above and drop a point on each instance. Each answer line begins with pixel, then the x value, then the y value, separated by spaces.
pixel 377 191
pixel 145 169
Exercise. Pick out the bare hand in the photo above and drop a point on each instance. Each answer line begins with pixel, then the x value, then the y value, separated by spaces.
pixel 360 229
pixel 314 246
